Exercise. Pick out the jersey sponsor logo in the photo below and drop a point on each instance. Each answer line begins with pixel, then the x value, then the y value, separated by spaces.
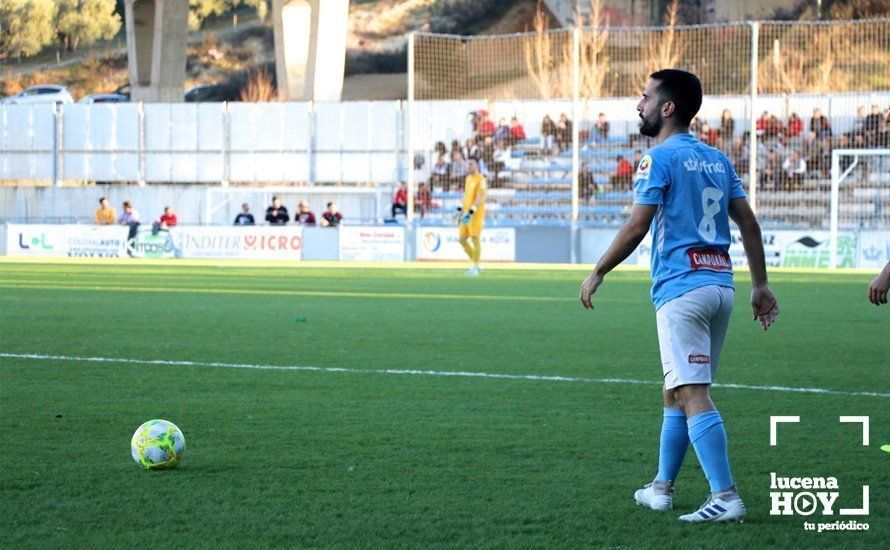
pixel 699 359
pixel 644 167
pixel 710 259
pixel 692 164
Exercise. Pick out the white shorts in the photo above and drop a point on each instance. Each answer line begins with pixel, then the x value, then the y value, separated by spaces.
pixel 691 330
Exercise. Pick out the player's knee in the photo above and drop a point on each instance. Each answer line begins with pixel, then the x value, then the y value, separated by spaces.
pixel 670 400
pixel 462 240
pixel 694 398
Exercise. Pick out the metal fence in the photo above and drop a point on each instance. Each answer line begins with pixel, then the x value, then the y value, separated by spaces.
pixel 779 98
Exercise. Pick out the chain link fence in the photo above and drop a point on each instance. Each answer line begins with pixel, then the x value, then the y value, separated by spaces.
pixel 550 115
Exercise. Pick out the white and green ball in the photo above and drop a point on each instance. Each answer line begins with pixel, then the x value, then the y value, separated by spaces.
pixel 157 445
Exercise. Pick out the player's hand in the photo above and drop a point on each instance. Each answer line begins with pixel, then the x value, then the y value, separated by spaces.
pixel 764 305
pixel 588 288
pixel 465 218
pixel 877 290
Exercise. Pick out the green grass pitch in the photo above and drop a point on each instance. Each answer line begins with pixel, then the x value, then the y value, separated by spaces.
pixel 366 458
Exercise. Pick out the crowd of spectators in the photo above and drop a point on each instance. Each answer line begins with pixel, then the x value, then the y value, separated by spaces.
pixel 277 214
pixel 790 149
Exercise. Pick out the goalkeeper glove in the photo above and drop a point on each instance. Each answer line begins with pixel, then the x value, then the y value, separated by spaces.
pixel 466 217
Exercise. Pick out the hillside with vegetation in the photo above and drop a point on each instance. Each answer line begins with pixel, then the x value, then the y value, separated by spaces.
pixel 81 43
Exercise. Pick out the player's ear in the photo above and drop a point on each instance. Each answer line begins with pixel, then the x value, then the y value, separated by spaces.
pixel 668 108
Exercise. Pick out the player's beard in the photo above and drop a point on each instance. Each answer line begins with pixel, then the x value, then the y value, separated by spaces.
pixel 651 126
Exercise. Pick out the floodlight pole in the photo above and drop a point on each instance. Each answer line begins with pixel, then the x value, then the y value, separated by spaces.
pixel 576 153
pixel 752 118
pixel 409 214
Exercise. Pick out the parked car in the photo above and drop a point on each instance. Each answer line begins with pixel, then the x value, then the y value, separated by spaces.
pixel 40 94
pixel 212 92
pixel 105 98
pixel 124 90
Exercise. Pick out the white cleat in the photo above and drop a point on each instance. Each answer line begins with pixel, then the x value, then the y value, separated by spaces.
pixel 479 268
pixel 473 271
pixel 725 506
pixel 656 496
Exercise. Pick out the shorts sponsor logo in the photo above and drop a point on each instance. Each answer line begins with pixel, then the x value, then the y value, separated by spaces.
pixel 711 259
pixel 699 359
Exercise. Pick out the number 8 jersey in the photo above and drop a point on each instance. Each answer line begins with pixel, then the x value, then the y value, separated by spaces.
pixel 691 184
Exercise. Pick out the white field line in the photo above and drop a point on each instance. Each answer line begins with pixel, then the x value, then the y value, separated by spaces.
pixel 417 372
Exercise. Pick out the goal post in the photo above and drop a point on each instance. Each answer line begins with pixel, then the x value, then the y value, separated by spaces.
pixel 868 173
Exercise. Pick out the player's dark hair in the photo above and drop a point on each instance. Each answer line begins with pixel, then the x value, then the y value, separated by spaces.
pixel 126 204
pixel 681 87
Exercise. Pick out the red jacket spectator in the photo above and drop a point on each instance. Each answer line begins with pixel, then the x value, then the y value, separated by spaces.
pixel 708 135
pixel 517 132
pixel 795 126
pixel 484 125
pixel 625 168
pixel 168 218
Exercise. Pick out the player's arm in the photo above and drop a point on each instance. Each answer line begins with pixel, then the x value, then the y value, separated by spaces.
pixel 626 241
pixel 877 290
pixel 763 303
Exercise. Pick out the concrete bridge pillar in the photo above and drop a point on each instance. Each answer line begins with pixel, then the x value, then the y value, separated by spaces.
pixel 156 48
pixel 310 48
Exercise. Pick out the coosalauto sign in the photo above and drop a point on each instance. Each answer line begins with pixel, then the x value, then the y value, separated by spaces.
pixel 441 243
pixel 372 244
pixel 261 243
pixel 99 241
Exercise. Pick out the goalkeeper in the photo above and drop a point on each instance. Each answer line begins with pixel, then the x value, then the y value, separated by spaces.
pixel 471 216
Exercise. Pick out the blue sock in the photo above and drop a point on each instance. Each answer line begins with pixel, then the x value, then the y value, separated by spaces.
pixel 709 439
pixel 674 442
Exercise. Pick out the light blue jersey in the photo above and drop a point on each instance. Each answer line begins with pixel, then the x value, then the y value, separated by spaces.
pixel 692 184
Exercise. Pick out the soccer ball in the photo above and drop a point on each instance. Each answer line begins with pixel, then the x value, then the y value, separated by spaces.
pixel 157 445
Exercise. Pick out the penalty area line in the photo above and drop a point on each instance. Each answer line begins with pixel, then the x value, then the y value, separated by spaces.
pixel 417 372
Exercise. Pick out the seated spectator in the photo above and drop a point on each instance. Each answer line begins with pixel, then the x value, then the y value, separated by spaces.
pixel 471 150
pixel 586 182
pixel 517 132
pixel 727 126
pixel 795 126
pixel 486 154
pixel 775 127
pixel 455 146
pixel 277 213
pixel 873 123
pixel 770 173
pixel 400 201
pixel 105 215
pixel 819 125
pixel 763 124
pixel 884 130
pixel 857 134
pixel 332 216
pixel 424 199
pixel 601 127
pixel 440 172
pixel 563 132
pixel 165 222
pixel 130 218
pixel 502 133
pixel 484 125
pixel 440 148
pixel 794 168
pixel 695 126
pixel 624 173
pixel 708 135
pixel 304 215
pixel 548 133
pixel 738 155
pixel 458 169
pixel 245 217
pixel 499 160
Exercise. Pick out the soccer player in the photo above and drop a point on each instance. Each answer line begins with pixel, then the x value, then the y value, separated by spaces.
pixel 471 215
pixel 685 193
pixel 877 290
